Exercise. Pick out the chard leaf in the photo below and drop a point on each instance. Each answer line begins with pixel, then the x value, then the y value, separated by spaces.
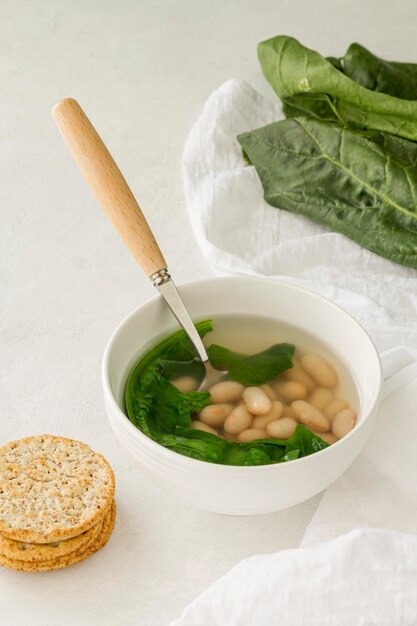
pixel 303 443
pixel 293 69
pixel 390 77
pixel 363 185
pixel 254 369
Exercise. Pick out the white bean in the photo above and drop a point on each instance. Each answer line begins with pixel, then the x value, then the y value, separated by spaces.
pixel 334 407
pixel 200 426
pixel 298 374
pixel 281 429
pixel 185 384
pixel 269 391
pixel 257 401
pixel 238 420
pixel 226 391
pixel 291 390
pixel 310 416
pixel 274 414
pixel 320 369
pixel 343 423
pixel 215 414
pixel 251 434
pixel 321 398
pixel 288 411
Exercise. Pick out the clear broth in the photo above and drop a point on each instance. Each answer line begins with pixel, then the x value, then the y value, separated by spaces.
pixel 249 334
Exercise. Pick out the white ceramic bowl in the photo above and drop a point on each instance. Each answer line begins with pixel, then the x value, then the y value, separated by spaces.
pixel 229 489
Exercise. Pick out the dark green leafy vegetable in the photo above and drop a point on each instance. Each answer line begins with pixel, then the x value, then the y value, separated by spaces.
pixel 254 369
pixel 147 386
pixel 303 442
pixel 390 77
pixel 290 456
pixel 337 63
pixel 317 105
pixel 176 347
pixel 168 406
pixel 293 69
pixel 163 412
pixel 363 185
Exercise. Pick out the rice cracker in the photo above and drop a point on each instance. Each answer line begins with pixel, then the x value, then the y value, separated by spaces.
pixel 82 553
pixel 52 489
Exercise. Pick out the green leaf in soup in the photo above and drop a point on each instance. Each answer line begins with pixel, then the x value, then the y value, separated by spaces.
pixel 175 347
pixel 251 453
pixel 257 457
pixel 254 369
pixel 390 77
pixel 293 69
pixel 177 369
pixel 363 185
pixel 196 444
pixel 156 406
pixel 291 455
pixel 215 449
pixel 303 443
pixel 164 413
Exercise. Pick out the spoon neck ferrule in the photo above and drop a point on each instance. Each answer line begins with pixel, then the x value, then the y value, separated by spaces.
pixel 160 277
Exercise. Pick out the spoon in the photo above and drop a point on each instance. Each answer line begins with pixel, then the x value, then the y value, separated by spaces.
pixel 113 193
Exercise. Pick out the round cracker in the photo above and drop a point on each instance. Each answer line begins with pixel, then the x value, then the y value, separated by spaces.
pixel 52 488
pixel 22 551
pixel 83 553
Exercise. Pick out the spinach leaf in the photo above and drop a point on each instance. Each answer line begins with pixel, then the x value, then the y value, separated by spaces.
pixel 303 443
pixel 164 413
pixel 156 406
pixel 196 444
pixel 176 369
pixel 290 456
pixel 318 105
pixel 176 347
pixel 267 451
pixel 337 63
pixel 293 69
pixel 363 185
pixel 254 369
pixel 390 77
pixel 255 456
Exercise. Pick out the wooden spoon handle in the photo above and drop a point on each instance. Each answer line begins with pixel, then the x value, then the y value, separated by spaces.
pixel 106 181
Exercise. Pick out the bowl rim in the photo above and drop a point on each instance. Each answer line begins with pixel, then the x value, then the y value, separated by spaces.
pixel 190 462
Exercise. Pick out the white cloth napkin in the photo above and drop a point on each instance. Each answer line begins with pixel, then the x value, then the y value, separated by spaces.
pixel 354 580
pixel 339 576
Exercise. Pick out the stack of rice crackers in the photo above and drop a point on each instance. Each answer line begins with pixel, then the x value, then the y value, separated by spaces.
pixel 56 503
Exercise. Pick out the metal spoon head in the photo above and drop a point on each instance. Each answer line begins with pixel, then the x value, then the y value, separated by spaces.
pixel 212 377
